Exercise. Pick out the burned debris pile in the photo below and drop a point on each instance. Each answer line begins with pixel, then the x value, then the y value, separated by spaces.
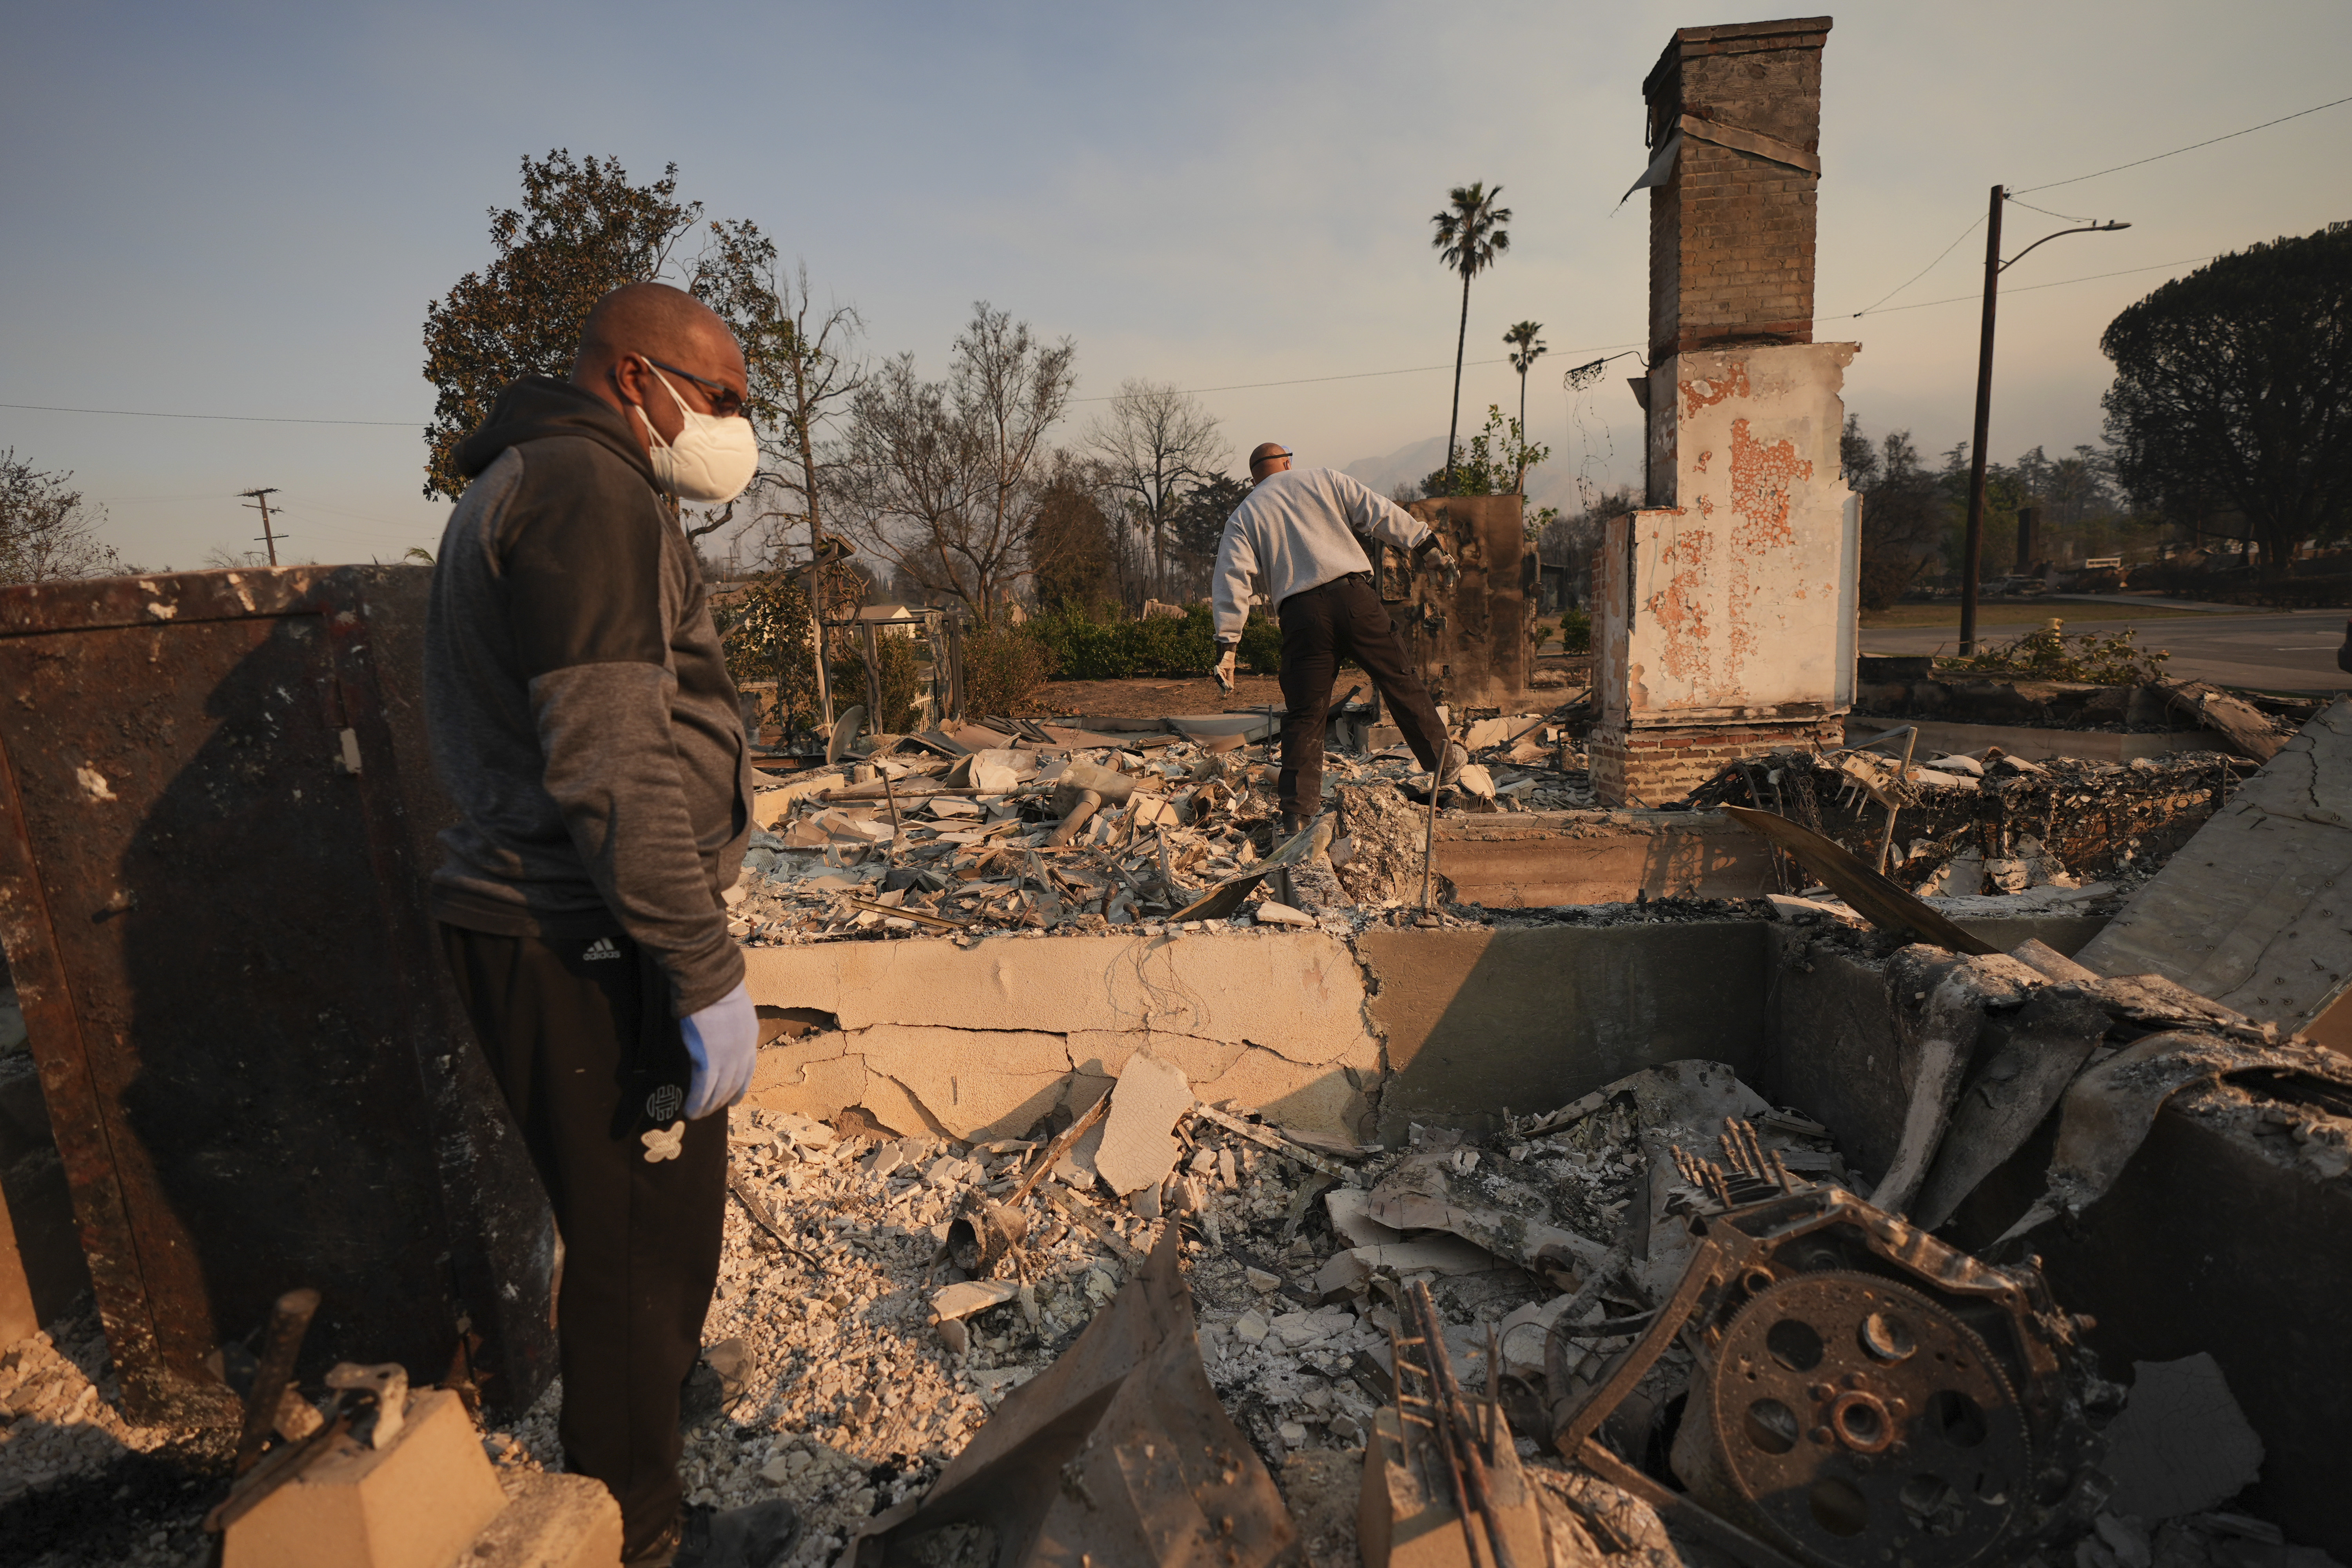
pixel 1987 823
pixel 1666 1318
pixel 1047 827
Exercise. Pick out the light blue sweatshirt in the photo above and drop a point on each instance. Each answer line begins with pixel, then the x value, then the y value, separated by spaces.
pixel 1292 534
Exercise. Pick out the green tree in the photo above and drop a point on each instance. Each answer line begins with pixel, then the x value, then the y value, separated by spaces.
pixel 1470 236
pixel 582 231
pixel 1495 464
pixel 1199 522
pixel 1526 349
pixel 1902 518
pixel 2236 381
pixel 47 533
pixel 1073 540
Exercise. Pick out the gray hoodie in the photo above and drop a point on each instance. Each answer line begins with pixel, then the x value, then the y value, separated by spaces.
pixel 578 700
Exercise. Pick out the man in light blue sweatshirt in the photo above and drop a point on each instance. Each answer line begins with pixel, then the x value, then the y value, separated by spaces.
pixel 1292 536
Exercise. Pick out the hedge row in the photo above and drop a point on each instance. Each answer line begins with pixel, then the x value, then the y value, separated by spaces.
pixel 1085 648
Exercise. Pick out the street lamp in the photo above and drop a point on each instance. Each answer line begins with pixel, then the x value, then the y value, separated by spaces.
pixel 1973 553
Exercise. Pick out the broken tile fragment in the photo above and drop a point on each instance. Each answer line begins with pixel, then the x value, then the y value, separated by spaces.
pixel 969 1295
pixel 1139 1148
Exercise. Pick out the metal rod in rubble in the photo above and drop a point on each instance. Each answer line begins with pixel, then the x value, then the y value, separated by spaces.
pixel 1454 1424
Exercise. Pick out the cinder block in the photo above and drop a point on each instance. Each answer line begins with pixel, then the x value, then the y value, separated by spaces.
pixel 555 1521
pixel 414 1504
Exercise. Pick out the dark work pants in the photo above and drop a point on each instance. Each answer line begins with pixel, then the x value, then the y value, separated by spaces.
pixel 570 1037
pixel 1343 618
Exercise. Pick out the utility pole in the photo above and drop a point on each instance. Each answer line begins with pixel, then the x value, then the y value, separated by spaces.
pixel 1972 552
pixel 1972 549
pixel 260 500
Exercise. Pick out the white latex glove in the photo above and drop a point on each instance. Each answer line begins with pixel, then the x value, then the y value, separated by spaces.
pixel 724 1040
pixel 1224 668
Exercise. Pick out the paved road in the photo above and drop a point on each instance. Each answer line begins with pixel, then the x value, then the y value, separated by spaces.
pixel 2291 650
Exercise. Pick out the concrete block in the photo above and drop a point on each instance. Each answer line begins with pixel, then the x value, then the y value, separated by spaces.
pixel 2181 1445
pixel 895 1105
pixel 1313 1099
pixel 554 1521
pixel 1540 860
pixel 814 1076
pixel 413 1505
pixel 1139 1148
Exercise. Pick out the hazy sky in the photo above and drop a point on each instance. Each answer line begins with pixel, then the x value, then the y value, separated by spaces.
pixel 245 209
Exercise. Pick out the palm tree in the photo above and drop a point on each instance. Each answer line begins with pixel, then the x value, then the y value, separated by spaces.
pixel 1526 349
pixel 1470 235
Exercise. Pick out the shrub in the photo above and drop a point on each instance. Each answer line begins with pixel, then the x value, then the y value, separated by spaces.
pixel 2050 653
pixel 1575 631
pixel 764 630
pixel 1087 648
pixel 899 664
pixel 1002 667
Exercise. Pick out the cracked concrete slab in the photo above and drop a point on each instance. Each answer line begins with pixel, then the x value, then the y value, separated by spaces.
pixel 1299 993
pixel 2255 911
pixel 1104 1054
pixel 978 1084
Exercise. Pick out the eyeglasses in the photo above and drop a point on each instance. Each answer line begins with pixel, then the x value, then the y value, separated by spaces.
pixel 725 401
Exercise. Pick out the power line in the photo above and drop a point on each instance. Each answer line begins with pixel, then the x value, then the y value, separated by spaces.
pixel 235 418
pixel 1921 273
pixel 2079 179
pixel 2029 287
pixel 2136 162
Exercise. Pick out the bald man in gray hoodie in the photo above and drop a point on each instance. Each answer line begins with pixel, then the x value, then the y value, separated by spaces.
pixel 586 731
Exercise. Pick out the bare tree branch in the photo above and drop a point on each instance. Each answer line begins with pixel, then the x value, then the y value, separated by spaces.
pixel 48 532
pixel 943 477
pixel 1157 442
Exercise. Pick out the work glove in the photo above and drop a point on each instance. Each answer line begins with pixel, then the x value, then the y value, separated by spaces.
pixel 1225 665
pixel 723 1042
pixel 1448 570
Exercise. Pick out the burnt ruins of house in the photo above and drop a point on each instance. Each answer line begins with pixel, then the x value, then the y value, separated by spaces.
pixel 1119 1181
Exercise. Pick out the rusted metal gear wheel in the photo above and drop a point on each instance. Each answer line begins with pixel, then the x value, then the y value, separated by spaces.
pixel 1858 1422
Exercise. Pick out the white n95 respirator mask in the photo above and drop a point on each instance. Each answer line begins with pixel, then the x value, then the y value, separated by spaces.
pixel 712 460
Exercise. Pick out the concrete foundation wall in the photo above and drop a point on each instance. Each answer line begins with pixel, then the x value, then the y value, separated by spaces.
pixel 1482 1021
pixel 1540 860
pixel 980 1042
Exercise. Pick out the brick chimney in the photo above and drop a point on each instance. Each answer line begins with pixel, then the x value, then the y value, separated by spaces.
pixel 1725 609
pixel 1731 230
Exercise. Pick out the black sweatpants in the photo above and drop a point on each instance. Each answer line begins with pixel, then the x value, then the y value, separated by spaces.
pixel 580 1034
pixel 1343 618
